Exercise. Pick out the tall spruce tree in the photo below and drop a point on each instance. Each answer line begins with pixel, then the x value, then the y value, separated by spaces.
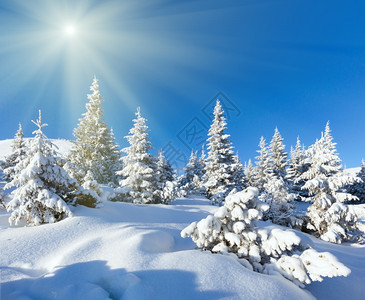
pixel 263 169
pixel 43 187
pixel 218 175
pixel 298 164
pixel 140 181
pixel 278 155
pixel 329 217
pixel 95 149
pixel 18 152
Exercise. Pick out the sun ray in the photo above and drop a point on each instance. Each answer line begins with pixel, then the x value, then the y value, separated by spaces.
pixel 115 42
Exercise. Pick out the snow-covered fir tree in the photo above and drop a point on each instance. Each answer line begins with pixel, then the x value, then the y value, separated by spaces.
pixel 95 149
pixel 18 152
pixel 298 164
pixel 278 155
pixel 3 198
pixel 164 168
pixel 273 188
pixel 91 184
pixel 281 208
pixel 43 187
pixel 329 217
pixel 233 229
pixel 263 169
pixel 218 175
pixel 249 172
pixel 140 180
pixel 358 187
pixel 166 179
pixel 202 162
pixel 191 181
pixel 238 173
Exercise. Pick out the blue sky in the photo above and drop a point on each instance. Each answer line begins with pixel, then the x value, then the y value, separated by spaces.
pixel 290 64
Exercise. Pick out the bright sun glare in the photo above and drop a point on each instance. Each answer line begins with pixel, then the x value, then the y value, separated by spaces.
pixel 70 30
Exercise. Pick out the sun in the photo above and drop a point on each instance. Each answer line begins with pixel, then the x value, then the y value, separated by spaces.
pixel 70 30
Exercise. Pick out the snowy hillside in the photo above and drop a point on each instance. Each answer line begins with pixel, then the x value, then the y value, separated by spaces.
pixel 352 171
pixel 126 251
pixel 136 252
pixel 64 146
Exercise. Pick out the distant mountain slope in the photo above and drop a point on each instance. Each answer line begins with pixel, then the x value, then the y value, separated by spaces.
pixel 64 146
pixel 352 171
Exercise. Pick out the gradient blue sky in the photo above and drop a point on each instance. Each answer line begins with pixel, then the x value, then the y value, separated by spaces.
pixel 290 64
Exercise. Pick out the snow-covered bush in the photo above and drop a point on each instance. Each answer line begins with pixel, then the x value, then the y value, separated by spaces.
pixel 92 185
pixel 233 229
pixel 329 217
pixel 44 188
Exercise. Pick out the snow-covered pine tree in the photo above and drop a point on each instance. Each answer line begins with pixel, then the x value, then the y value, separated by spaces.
pixel 273 188
pixel 281 208
pixel 166 179
pixel 263 169
pixel 95 149
pixel 297 165
pixel 202 159
pixel 278 155
pixel 238 173
pixel 92 185
pixel 3 198
pixel 140 181
pixel 43 187
pixel 18 151
pixel 233 229
pixel 164 168
pixel 250 175
pixel 218 175
pixel 329 217
pixel 358 187
pixel 191 180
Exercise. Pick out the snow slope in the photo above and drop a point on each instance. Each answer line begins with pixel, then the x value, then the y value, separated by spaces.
pixel 128 251
pixel 64 146
pixel 124 251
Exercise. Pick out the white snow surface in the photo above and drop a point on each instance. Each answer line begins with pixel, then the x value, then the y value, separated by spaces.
pixel 126 251
pixel 123 251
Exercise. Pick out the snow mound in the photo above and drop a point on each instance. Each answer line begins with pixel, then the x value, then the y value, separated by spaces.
pixel 157 241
